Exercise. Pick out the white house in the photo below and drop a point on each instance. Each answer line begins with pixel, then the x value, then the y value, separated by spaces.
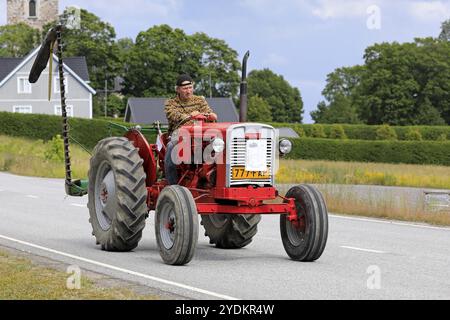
pixel 19 95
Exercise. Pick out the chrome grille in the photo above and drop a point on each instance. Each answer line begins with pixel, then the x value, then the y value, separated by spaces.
pixel 237 151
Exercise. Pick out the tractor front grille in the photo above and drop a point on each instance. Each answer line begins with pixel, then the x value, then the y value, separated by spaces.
pixel 236 145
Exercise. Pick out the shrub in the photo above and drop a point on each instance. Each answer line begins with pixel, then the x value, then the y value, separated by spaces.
pixel 442 137
pixel 55 149
pixel 386 132
pixel 337 132
pixel 318 131
pixel 414 152
pixel 413 135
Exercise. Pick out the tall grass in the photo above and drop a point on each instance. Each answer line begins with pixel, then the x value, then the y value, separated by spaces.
pixel 324 172
pixel 37 158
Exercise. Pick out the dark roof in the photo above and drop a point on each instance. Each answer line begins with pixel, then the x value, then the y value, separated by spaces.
pixel 7 65
pixel 286 132
pixel 77 64
pixel 150 110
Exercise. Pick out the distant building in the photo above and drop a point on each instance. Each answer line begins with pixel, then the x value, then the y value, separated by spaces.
pixel 35 13
pixel 19 95
pixel 150 110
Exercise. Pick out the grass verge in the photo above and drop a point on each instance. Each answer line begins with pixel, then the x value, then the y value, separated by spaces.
pixel 336 172
pixel 21 279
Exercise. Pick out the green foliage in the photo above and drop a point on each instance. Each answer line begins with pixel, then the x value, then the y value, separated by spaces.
pixel 219 63
pixel 17 40
pixel 38 126
pixel 413 134
pixel 413 152
pixel 365 132
pixel 341 92
pixel 55 149
pixel 445 31
pixel 258 110
pixel 442 137
pixel 337 132
pixel 284 100
pixel 161 53
pixel 399 84
pixel 318 131
pixel 386 132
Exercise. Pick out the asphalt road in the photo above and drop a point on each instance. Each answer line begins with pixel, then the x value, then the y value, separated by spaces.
pixel 364 258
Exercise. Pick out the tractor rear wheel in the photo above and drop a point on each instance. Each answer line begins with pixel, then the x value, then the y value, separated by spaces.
pixel 305 239
pixel 230 231
pixel 117 195
pixel 176 225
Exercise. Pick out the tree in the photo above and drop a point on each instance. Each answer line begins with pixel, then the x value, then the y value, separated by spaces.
pixel 17 40
pixel 284 100
pixel 406 84
pixel 95 40
pixel 341 93
pixel 445 31
pixel 220 64
pixel 159 55
pixel 258 110
pixel 340 110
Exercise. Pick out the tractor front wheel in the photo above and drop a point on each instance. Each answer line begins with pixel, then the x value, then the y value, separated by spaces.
pixel 117 195
pixel 176 225
pixel 305 238
pixel 230 231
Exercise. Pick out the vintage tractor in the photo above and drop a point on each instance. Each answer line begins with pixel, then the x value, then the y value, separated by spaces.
pixel 225 172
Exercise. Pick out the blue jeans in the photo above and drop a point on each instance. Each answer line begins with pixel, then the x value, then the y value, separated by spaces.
pixel 170 168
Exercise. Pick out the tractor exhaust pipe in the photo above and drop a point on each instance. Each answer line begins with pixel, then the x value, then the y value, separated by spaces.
pixel 243 90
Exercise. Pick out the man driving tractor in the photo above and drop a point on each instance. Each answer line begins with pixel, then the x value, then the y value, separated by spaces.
pixel 178 110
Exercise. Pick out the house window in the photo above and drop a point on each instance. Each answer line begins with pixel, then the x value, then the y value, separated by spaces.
pixel 56 84
pixel 23 85
pixel 23 109
pixel 69 110
pixel 32 8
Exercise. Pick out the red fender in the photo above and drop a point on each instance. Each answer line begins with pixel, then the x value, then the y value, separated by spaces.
pixel 146 152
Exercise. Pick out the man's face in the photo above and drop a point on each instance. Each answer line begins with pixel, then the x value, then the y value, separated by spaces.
pixel 185 92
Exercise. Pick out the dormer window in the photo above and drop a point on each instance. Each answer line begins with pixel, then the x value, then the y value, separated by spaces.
pixel 32 8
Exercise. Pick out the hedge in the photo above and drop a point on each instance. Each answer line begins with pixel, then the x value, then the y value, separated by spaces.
pixel 89 131
pixel 412 152
pixel 366 132
pixel 38 126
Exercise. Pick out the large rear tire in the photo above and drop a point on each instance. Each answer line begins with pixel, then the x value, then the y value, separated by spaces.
pixel 305 240
pixel 117 195
pixel 176 225
pixel 230 231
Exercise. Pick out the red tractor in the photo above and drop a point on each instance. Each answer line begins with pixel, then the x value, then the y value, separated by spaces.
pixel 230 188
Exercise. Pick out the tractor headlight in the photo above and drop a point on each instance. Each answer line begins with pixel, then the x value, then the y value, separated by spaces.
pixel 285 146
pixel 218 145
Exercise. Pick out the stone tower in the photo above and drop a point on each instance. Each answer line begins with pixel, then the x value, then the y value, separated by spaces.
pixel 35 13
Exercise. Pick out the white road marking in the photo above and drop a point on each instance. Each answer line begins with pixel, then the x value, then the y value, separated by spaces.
pixel 78 205
pixel 32 196
pixel 104 265
pixel 389 222
pixel 362 249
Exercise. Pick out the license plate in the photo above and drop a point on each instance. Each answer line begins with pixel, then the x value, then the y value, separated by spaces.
pixel 241 173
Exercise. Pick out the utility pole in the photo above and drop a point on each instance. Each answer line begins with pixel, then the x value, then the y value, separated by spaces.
pixel 210 86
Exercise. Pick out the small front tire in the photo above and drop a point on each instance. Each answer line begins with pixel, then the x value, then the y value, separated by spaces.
pixel 176 225
pixel 305 239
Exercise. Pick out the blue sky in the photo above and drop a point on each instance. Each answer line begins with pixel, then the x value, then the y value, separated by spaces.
pixel 303 40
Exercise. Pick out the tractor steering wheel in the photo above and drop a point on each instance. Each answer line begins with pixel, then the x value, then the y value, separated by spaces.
pixel 206 117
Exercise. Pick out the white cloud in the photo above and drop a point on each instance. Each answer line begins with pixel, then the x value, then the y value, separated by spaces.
pixel 430 10
pixel 326 9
